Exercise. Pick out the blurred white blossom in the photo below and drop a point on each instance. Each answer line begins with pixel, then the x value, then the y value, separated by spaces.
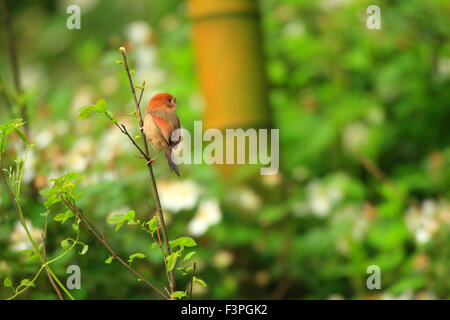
pixel 19 239
pixel 178 195
pixel 208 214
pixel 246 198
pixel 138 32
pixel 354 136
pixel 443 68
pixel 407 295
pixel 223 259
pixel 425 220
pixel 112 143
pixel 322 197
pixel 44 138
pixel 294 29
pixel 80 154
pixel 29 168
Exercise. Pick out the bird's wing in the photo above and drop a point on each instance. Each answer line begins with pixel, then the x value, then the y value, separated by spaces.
pixel 167 123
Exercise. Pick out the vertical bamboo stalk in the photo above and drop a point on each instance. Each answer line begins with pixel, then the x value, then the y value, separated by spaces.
pixel 230 63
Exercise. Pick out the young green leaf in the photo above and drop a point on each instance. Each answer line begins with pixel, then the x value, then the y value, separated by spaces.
pixel 179 294
pixel 84 112
pixel 188 256
pixel 183 242
pixel 101 106
pixel 65 244
pixel 84 250
pixel 172 260
pixel 109 260
pixel 26 283
pixel 199 281
pixel 136 255
pixel 22 136
pixel 7 283
pixel 152 224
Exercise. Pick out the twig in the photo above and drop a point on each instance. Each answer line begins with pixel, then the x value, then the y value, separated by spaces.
pixel 13 57
pixel 149 166
pixel 161 248
pixel 46 269
pixel 192 279
pixel 78 213
pixel 22 221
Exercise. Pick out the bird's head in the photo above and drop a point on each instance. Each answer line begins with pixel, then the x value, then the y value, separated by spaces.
pixel 162 101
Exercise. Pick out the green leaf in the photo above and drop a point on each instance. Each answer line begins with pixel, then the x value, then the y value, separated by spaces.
pixel 172 260
pixel 26 283
pixel 199 281
pixel 84 112
pixel 136 255
pixel 22 136
pixel 152 224
pixel 109 260
pixel 76 227
pixel 155 245
pixel 110 115
pixel 7 283
pixel 183 242
pixel 188 256
pixel 84 250
pixel 101 106
pixel 179 294
pixel 65 244
pixel 115 218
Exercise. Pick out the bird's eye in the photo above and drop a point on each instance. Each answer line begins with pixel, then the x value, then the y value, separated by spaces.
pixel 170 100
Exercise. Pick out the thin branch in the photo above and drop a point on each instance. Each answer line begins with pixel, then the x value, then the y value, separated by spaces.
pixel 149 166
pixel 46 268
pixel 192 280
pixel 22 221
pixel 161 248
pixel 78 213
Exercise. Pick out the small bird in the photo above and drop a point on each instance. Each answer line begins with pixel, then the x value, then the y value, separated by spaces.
pixel 160 126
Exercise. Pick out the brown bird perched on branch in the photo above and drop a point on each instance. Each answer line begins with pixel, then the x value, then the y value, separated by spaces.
pixel 160 126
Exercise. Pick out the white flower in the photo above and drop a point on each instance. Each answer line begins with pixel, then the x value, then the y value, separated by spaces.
pixel 112 143
pixel 424 221
pixel 44 138
pixel 178 195
pixel 246 198
pixel 354 136
pixel 294 29
pixel 79 156
pixel 29 168
pixel 407 295
pixel 321 198
pixel 138 32
pixel 208 214
pixel 250 200
pixel 19 238
pixel 443 68
pixel 223 259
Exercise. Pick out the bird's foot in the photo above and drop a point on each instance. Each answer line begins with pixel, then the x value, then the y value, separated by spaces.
pixel 150 161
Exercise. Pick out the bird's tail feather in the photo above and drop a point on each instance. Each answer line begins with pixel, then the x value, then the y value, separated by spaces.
pixel 172 166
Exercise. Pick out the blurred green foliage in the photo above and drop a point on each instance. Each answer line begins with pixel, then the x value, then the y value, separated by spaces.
pixel 364 132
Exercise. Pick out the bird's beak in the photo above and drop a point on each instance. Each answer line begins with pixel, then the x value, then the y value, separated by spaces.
pixel 175 100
